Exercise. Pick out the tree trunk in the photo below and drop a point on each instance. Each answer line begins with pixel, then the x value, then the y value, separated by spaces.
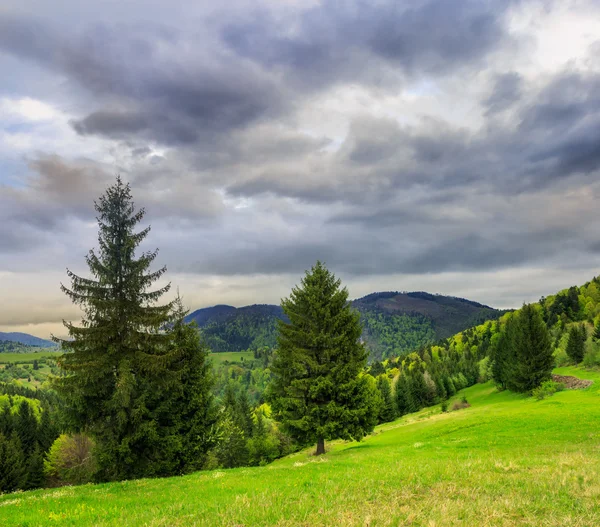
pixel 320 446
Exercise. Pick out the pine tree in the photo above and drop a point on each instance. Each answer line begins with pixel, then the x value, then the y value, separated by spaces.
pixel 405 403
pixel 576 343
pixel 532 350
pixel 189 402
pixel 116 356
pixel 35 469
pixel 387 412
pixel 317 391
pixel 26 428
pixel 13 469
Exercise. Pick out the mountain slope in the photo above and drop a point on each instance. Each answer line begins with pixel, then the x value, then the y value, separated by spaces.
pixel 26 339
pixel 394 323
pixel 505 461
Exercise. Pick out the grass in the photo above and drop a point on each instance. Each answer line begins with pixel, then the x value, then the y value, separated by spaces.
pixel 27 358
pixel 231 356
pixel 506 460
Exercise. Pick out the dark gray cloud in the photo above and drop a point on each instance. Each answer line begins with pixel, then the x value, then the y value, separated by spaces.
pixel 381 137
pixel 335 42
pixel 506 92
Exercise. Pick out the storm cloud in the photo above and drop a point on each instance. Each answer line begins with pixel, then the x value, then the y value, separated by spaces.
pixel 407 145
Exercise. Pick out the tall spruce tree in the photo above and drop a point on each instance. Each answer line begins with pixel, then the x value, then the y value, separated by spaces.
pixel 318 392
pixel 532 351
pixel 117 356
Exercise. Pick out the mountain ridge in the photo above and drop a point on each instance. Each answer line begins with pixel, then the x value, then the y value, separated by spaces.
pixel 26 339
pixel 394 322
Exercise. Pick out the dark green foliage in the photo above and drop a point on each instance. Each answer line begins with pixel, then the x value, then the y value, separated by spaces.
pixel 405 402
pixel 26 428
pixel 13 467
pixel 503 354
pixel 387 411
pixel 186 413
pixel 532 351
pixel 576 343
pixel 391 335
pixel 317 391
pixel 226 328
pixel 35 469
pixel 135 374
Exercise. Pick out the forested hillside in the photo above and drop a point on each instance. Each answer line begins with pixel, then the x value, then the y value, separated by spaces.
pixel 393 323
pixel 486 351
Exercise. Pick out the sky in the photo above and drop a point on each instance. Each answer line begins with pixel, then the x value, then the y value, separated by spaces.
pixel 424 145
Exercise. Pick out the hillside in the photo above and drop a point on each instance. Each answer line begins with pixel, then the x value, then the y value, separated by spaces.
pixel 507 460
pixel 394 323
pixel 27 340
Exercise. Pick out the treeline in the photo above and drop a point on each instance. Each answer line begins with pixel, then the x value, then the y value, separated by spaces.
pixel 28 428
pixel 518 352
pixel 8 346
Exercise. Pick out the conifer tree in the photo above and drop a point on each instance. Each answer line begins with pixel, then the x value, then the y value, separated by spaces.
pixel 576 343
pixel 13 468
pixel 318 392
pixel 189 413
pixel 532 351
pixel 387 411
pixel 26 428
pixel 405 403
pixel 116 356
pixel 503 354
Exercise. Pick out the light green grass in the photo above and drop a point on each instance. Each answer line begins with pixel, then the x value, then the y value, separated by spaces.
pixel 27 358
pixel 231 356
pixel 507 460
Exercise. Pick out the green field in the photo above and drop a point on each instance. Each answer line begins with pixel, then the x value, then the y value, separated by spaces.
pixel 230 356
pixel 507 460
pixel 27 358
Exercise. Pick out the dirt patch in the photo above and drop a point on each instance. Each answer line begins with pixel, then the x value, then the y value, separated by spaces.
pixel 572 383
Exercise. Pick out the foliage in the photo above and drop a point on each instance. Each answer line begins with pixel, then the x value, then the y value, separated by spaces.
pixel 576 343
pixel 27 430
pixel 546 389
pixel 70 460
pixel 317 391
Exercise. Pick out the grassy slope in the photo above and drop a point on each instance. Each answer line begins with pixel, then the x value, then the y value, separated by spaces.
pixel 507 460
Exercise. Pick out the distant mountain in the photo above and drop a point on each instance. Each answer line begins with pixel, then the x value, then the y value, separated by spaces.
pixel 394 323
pixel 27 340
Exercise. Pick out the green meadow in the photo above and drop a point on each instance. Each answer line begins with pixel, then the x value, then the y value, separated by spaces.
pixel 506 460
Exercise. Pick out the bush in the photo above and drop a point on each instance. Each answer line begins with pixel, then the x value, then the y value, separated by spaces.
pixel 444 406
pixel 70 460
pixel 547 389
